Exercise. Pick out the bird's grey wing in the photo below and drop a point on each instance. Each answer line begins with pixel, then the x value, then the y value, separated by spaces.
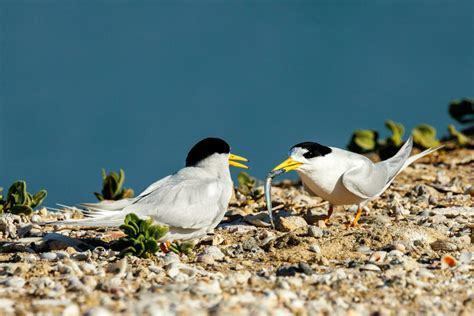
pixel 184 203
pixel 152 187
pixel 366 180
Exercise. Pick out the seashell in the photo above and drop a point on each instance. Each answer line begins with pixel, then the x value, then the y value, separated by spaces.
pixel 448 262
pixel 370 267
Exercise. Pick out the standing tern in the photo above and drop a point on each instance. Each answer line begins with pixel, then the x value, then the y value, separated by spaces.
pixel 191 202
pixel 345 178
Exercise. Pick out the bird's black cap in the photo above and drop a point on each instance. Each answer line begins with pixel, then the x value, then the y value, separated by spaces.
pixel 206 148
pixel 313 149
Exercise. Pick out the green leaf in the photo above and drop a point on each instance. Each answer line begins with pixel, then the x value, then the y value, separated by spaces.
pixel 424 136
pixel 397 129
pixel 21 209
pixel 461 139
pixel 129 230
pixel 129 251
pixel 38 198
pixel 363 141
pixel 462 110
pixel 132 217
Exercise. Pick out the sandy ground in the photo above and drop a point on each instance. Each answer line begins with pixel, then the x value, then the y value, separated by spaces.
pixel 413 253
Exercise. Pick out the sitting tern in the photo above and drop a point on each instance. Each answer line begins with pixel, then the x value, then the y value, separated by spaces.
pixel 191 202
pixel 345 178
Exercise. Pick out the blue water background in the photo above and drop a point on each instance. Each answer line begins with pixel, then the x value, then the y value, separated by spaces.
pixel 134 84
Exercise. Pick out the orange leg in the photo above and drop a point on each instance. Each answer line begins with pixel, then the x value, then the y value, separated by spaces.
pixel 165 247
pixel 356 218
pixel 330 210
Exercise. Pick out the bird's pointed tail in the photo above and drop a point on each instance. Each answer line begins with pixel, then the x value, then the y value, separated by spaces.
pixel 104 213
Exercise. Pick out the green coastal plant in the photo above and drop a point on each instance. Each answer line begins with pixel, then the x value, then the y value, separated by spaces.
pixel 248 186
pixel 112 187
pixel 398 130
pixel 462 110
pixel 141 238
pixel 461 139
pixel 424 136
pixel 182 248
pixel 19 201
pixel 363 141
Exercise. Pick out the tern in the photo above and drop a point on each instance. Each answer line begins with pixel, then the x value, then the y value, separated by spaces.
pixel 345 178
pixel 191 202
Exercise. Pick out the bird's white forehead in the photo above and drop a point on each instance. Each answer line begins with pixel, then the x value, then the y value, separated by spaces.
pixel 297 152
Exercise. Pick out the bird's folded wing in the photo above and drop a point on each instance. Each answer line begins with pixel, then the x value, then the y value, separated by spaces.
pixel 366 180
pixel 181 203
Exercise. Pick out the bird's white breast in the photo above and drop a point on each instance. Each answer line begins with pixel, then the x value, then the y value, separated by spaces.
pixel 323 177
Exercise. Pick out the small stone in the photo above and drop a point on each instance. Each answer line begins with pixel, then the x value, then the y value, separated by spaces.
pixel 466 257
pixel 71 310
pixel 305 268
pixel 315 248
pixel 36 218
pixel 443 245
pixel 214 252
pixel 315 232
pixel 364 250
pixel 15 282
pixel 290 223
pixel 30 258
pixel 48 256
pixel 35 232
pixel 400 247
pixel 370 267
pixel 206 259
pixel 286 270
pixel 81 256
pixel 98 311
pixel 378 256
pixel 250 245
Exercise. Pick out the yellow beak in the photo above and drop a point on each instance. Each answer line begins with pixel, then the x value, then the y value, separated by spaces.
pixel 233 158
pixel 288 165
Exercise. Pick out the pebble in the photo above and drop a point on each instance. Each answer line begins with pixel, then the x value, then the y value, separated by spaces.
pixel 443 245
pixel 315 248
pixel 305 268
pixel 206 259
pixel 36 218
pixel 290 223
pixel 378 257
pixel 364 249
pixel 71 310
pixel 315 232
pixel 15 282
pixel 286 270
pixel 214 252
pixel 48 256
pixel 98 311
pixel 370 267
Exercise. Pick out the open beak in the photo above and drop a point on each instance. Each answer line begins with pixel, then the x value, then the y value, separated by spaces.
pixel 288 165
pixel 233 161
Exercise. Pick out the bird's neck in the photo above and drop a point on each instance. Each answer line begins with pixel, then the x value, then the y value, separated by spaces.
pixel 216 167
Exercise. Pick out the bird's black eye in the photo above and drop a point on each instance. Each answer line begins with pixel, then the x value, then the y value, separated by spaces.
pixel 206 148
pixel 313 149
